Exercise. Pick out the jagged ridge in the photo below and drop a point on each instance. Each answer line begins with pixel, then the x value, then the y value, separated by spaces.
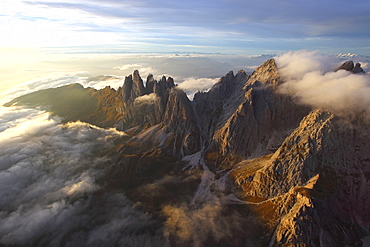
pixel 304 171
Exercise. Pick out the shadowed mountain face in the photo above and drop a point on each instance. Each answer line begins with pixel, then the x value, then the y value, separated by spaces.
pixel 73 102
pixel 240 165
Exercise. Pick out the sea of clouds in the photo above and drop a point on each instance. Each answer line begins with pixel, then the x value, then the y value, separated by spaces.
pixel 48 186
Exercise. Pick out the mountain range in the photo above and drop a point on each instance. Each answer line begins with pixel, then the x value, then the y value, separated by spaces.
pixel 282 173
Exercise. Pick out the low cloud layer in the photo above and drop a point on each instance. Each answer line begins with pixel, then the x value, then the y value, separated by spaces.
pixel 48 180
pixel 200 84
pixel 193 85
pixel 195 225
pixel 143 68
pixel 312 80
pixel 50 194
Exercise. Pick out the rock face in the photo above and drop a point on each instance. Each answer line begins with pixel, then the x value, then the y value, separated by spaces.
pixel 161 113
pixel 302 173
pixel 143 106
pixel 350 66
pixel 309 181
pixel 220 102
pixel 244 115
pixel 315 185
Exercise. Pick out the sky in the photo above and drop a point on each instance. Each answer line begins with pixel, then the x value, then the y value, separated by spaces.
pixel 187 40
pixel 217 26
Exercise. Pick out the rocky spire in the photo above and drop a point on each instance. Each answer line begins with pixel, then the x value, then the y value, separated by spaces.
pixel 144 106
pixel 164 84
pixel 150 82
pixel 181 122
pixel 133 87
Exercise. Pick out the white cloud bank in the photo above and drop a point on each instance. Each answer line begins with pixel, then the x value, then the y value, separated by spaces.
pixel 310 78
pixel 192 85
pixel 199 84
pixel 48 180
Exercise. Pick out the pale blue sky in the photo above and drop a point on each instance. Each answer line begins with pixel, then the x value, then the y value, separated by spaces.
pixel 225 26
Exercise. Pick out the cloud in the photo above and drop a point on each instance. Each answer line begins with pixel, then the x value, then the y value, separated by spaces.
pixel 313 18
pixel 48 180
pixel 146 99
pixel 310 78
pixel 245 26
pixel 200 84
pixel 196 226
pixel 144 69
pixel 129 66
pixel 114 82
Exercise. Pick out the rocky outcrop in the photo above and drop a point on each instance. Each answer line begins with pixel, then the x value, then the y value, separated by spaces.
pixel 315 185
pixel 143 107
pixel 163 128
pixel 263 119
pixel 178 133
pixel 181 123
pixel 220 102
pixel 350 66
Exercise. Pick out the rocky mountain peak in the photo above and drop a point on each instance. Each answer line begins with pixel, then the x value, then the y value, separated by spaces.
pixel 163 85
pixel 181 121
pixel 150 82
pixel 132 88
pixel 215 106
pixel 303 183
pixel 350 66
pixel 262 118
pixel 357 69
pixel 267 73
pixel 178 106
pixel 177 132
pixel 143 105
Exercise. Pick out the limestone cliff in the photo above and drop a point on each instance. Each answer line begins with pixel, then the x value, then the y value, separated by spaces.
pixel 262 119
pixel 220 102
pixel 143 106
pixel 315 186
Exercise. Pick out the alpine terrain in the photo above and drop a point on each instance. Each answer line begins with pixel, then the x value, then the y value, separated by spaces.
pixel 243 164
